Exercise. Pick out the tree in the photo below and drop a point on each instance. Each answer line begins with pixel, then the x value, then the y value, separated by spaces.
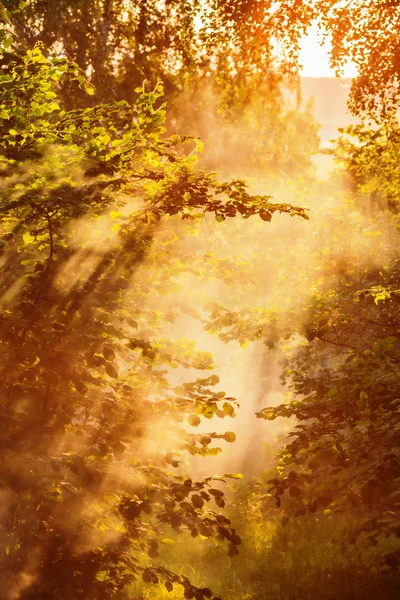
pixel 120 44
pixel 333 324
pixel 369 158
pixel 257 130
pixel 89 495
pixel 218 80
pixel 343 454
pixel 364 32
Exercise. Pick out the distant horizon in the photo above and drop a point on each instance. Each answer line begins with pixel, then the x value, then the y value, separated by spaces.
pixel 326 77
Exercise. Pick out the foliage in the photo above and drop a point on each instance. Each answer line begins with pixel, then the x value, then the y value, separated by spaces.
pixel 297 560
pixel 220 82
pixel 343 453
pixel 88 491
pixel 262 131
pixel 334 324
pixel 370 158
pixel 98 205
pixel 121 44
pixel 341 457
pixel 361 31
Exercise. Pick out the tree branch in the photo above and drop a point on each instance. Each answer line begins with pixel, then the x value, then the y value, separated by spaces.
pixel 50 257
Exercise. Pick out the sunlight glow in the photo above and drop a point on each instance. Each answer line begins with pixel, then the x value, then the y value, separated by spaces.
pixel 314 58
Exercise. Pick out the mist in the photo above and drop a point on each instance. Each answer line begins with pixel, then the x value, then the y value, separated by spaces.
pixel 158 318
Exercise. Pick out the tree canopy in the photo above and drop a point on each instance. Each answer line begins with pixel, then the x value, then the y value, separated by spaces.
pixel 101 205
pixel 120 44
pixel 89 496
pixel 364 32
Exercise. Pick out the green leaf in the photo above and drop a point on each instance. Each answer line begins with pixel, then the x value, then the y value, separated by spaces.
pixel 168 541
pixel 189 592
pixel 295 491
pixel 108 353
pixel 80 387
pixel 362 400
pixel 111 370
pixel 8 41
pixel 229 436
pixel 197 501
pixel 146 576
pixel 215 492
pixel 232 550
pixel 265 215
pixel 234 475
pixel 104 139
pixel 194 420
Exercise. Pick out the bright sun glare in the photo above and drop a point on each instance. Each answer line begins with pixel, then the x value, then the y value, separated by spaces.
pixel 315 60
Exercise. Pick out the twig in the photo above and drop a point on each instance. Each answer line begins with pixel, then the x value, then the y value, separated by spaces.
pixel 50 257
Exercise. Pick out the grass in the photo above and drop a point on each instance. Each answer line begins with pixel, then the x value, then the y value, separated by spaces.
pixel 301 561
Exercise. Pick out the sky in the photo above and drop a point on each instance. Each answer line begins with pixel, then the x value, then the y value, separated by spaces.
pixel 314 58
